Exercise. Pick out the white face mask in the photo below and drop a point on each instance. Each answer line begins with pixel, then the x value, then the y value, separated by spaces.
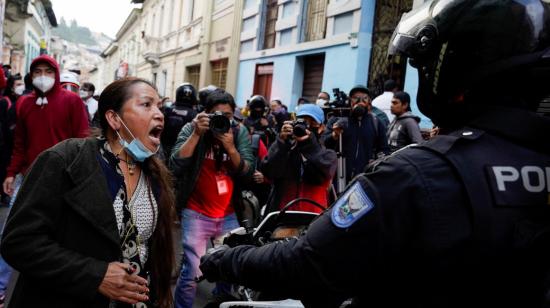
pixel 19 89
pixel 43 83
pixel 321 102
pixel 83 94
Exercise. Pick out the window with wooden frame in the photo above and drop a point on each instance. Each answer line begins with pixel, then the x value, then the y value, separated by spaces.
pixel 316 23
pixel 270 20
pixel 219 73
pixel 194 75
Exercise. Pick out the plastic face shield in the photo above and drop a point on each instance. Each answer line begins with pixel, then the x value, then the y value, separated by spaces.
pixel 415 33
pixel 71 87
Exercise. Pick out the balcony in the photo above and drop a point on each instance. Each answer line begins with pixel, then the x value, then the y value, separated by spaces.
pixel 151 50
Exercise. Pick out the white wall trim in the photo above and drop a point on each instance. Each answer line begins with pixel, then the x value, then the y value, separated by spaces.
pixel 333 41
pixel 224 10
pixel 255 10
pixel 283 24
pixel 336 8
pixel 248 35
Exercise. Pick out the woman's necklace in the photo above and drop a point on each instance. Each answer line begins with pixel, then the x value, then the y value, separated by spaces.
pixel 130 164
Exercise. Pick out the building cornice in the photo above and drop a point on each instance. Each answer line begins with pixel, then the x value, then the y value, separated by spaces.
pixel 113 46
pixel 302 47
pixel 49 12
pixel 130 21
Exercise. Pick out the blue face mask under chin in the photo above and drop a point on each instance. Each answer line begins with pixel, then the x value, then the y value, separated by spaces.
pixel 136 149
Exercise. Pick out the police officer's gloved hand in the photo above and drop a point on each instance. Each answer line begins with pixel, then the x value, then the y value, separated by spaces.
pixel 210 263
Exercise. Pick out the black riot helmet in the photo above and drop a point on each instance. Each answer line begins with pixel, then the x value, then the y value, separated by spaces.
pixel 186 95
pixel 203 96
pixel 471 54
pixel 258 106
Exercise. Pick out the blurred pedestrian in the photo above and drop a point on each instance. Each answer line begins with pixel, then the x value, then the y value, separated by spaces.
pixel 404 129
pixel 383 101
pixel 87 95
pixel 69 81
pixel 279 113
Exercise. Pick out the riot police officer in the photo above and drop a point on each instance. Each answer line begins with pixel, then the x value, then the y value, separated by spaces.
pixel 460 221
pixel 259 120
pixel 176 116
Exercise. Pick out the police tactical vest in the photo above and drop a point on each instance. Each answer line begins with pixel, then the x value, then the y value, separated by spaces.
pixel 508 187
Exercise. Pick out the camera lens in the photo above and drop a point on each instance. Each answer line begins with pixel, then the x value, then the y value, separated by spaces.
pixel 219 123
pixel 299 128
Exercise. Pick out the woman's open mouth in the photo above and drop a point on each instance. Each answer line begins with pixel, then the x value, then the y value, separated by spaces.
pixel 154 134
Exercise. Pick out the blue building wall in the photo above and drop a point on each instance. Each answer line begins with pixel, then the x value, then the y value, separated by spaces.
pixel 342 70
pixel 411 87
pixel 345 65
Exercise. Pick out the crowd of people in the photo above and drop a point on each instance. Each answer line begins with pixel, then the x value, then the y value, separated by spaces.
pixel 224 160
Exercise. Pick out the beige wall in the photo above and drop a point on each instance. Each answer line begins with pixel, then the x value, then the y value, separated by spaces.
pixel 173 40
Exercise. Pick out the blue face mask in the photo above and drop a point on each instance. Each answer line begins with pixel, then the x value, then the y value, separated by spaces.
pixel 135 149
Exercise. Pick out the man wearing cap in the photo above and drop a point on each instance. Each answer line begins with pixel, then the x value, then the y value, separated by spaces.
pixel 363 134
pixel 298 165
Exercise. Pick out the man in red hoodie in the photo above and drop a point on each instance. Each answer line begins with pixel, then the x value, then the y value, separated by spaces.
pixel 48 115
pixel 45 117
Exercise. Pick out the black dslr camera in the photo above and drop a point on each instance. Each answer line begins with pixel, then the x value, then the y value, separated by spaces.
pixel 299 127
pixel 340 99
pixel 219 123
pixel 340 106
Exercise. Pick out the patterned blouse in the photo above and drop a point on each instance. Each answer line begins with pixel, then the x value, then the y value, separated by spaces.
pixel 142 206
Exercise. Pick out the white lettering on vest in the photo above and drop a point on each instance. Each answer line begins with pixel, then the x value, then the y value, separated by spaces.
pixel 534 179
pixel 527 183
pixel 505 174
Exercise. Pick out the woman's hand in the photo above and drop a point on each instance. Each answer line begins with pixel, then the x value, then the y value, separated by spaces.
pixel 121 286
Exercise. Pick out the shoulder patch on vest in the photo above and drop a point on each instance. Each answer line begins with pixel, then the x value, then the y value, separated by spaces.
pixel 351 206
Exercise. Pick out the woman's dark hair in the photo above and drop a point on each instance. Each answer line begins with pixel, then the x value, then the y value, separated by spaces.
pixel 161 247
pixel 219 96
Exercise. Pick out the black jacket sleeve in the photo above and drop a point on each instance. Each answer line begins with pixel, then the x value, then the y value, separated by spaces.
pixel 29 240
pixel 326 138
pixel 321 162
pixel 381 140
pixel 275 164
pixel 370 258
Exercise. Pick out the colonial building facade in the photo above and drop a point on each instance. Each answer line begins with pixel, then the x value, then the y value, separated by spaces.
pixel 293 49
pixel 27 32
pixel 174 41
pixel 285 49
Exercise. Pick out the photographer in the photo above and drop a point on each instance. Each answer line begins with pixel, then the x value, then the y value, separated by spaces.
pixel 210 154
pixel 298 164
pixel 259 121
pixel 363 134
